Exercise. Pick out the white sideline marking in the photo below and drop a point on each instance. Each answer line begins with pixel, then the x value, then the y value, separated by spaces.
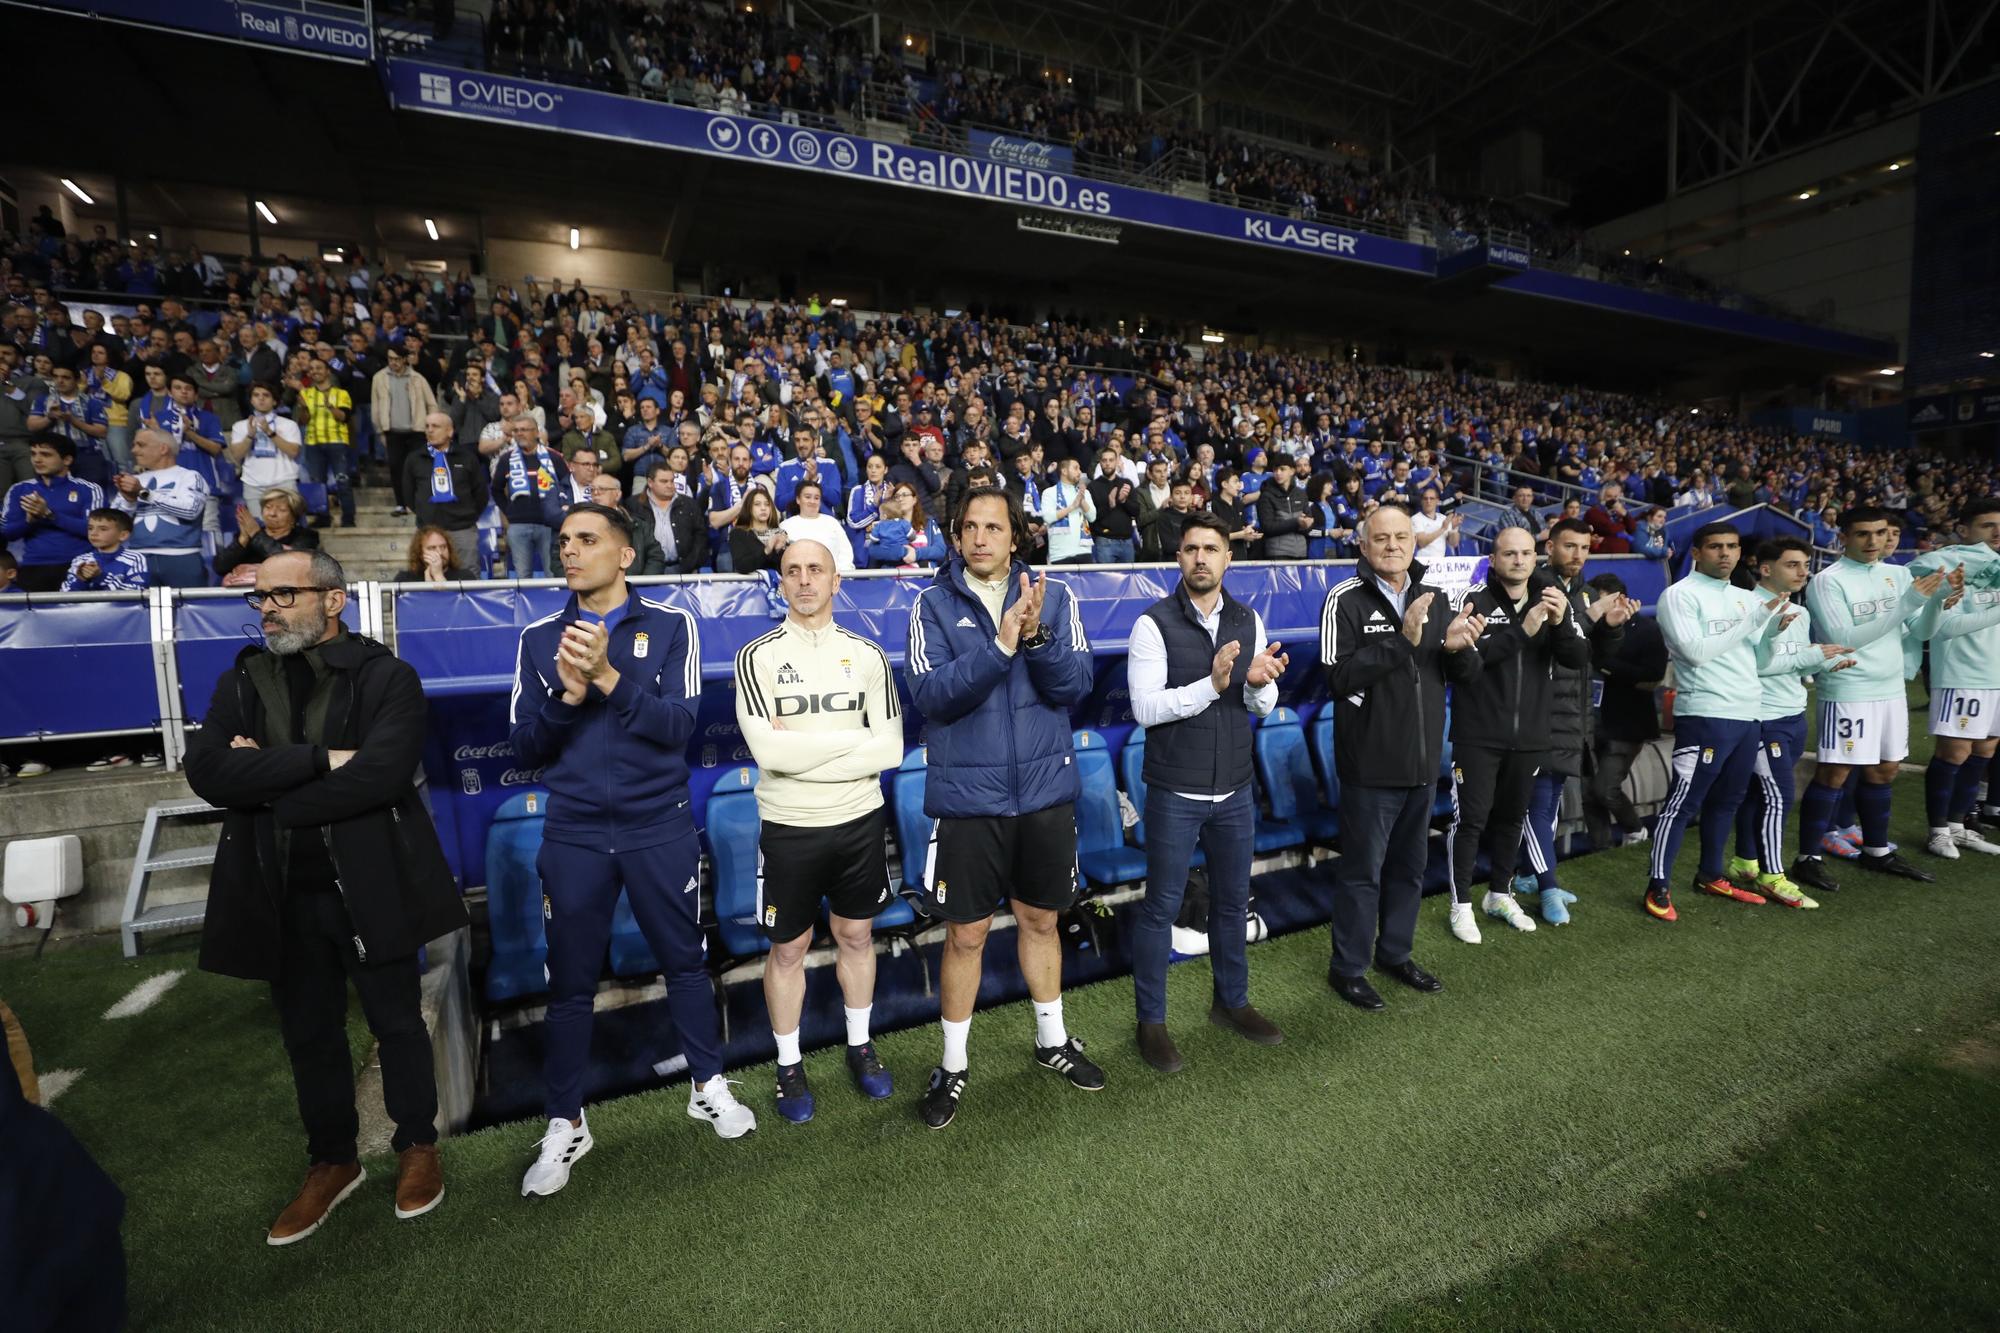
pixel 55 1082
pixel 145 995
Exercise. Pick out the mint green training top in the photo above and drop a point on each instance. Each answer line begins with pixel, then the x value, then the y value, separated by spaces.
pixel 1965 651
pixel 1877 611
pixel 1785 658
pixel 1711 627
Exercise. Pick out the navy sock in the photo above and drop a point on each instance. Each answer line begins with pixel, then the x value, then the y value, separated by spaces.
pixel 1871 802
pixel 1846 816
pixel 1816 806
pixel 1965 795
pixel 1940 785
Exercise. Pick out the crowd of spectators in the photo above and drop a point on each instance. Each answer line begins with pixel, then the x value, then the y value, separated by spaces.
pixel 730 428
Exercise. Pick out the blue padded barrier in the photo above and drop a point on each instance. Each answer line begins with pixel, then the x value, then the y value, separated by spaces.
pixel 104 645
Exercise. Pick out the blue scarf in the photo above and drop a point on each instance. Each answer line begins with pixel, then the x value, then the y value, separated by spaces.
pixel 442 490
pixel 261 445
pixel 518 482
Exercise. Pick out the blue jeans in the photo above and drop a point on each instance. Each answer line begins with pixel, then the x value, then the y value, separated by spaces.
pixel 1714 761
pixel 1110 551
pixel 1173 823
pixel 332 466
pixel 528 548
pixel 582 887
pixel 175 571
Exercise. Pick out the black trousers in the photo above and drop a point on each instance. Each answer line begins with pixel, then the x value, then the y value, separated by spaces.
pixel 1490 791
pixel 402 443
pixel 1378 878
pixel 311 994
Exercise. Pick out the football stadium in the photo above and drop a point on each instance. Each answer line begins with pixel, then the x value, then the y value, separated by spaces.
pixel 1054 666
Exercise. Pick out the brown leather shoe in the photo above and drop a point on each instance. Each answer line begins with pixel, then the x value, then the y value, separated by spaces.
pixel 326 1185
pixel 1156 1048
pixel 419 1181
pixel 1247 1022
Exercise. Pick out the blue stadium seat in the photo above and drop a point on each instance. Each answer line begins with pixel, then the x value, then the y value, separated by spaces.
pixel 1101 852
pixel 732 827
pixel 1132 772
pixel 913 826
pixel 514 898
pixel 1271 832
pixel 1319 741
pixel 1286 771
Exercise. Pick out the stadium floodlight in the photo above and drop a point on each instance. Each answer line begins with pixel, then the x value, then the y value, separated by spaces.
pixel 1807 194
pixel 76 190
pixel 1210 336
pixel 1895 166
pixel 431 226
pixel 838 300
pixel 575 239
pixel 1890 370
pixel 1990 355
pixel 152 236
pixel 264 211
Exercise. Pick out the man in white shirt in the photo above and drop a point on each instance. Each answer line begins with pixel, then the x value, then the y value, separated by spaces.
pixel 1069 511
pixel 265 448
pixel 1199 666
pixel 167 502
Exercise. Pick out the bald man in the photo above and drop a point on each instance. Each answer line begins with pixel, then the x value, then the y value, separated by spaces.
pixel 817 706
pixel 447 485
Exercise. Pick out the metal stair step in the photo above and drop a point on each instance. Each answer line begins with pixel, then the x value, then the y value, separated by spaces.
pixel 167 916
pixel 182 860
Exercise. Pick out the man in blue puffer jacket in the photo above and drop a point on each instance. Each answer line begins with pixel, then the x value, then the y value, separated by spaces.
pixel 996 661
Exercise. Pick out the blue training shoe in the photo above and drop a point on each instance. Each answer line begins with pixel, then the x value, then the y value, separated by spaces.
pixel 869 1074
pixel 1554 910
pixel 795 1099
pixel 1530 884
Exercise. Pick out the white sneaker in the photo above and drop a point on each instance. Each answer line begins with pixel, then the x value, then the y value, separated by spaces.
pixel 1464 925
pixel 1635 837
pixel 559 1150
pixel 715 1103
pixel 1972 842
pixel 1188 943
pixel 34 768
pixel 1942 843
pixel 1503 906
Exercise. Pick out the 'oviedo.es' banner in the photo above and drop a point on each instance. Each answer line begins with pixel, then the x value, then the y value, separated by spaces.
pixel 1008 177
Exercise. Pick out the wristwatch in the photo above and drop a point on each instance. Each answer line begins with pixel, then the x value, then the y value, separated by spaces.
pixel 1038 638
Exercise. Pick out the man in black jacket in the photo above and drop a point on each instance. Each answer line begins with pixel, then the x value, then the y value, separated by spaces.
pixel 1500 727
pixel 1572 712
pixel 1283 515
pixel 1629 722
pixel 329 871
pixel 448 488
pixel 1388 642
pixel 671 516
pixel 1112 532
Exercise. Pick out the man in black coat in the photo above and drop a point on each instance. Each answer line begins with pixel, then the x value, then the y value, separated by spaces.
pixel 329 871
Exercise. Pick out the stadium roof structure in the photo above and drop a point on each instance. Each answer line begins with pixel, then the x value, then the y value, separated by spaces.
pixel 1640 95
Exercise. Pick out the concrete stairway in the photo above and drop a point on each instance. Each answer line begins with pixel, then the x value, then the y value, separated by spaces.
pixel 377 545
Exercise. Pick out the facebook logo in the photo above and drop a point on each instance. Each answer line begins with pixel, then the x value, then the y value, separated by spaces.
pixel 435 88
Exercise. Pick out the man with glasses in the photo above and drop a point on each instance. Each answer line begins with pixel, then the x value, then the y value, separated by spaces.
pixel 329 872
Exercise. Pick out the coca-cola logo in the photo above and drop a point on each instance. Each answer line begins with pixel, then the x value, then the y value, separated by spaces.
pixel 1020 152
pixel 720 729
pixel 521 777
pixel 465 753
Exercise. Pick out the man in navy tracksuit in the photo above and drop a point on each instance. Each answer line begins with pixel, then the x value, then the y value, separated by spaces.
pixel 49 514
pixel 604 703
pixel 996 661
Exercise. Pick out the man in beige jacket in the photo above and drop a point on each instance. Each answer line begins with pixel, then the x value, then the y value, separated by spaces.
pixel 399 400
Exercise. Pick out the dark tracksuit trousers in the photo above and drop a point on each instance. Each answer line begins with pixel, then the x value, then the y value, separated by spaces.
pixel 1490 793
pixel 581 886
pixel 311 997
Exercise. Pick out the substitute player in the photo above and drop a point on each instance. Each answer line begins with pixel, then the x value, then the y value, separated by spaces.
pixel 1711 627
pixel 996 661
pixel 1785 661
pixel 817 706
pixel 604 703
pixel 1965 683
pixel 1864 716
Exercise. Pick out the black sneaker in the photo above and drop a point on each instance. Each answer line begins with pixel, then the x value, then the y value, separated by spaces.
pixel 1810 872
pixel 940 1101
pixel 866 1069
pixel 1069 1060
pixel 1892 864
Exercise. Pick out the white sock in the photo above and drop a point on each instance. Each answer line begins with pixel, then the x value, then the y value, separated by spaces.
pixel 1875 851
pixel 1048 1023
pixel 788 1047
pixel 1943 830
pixel 857 1024
pixel 955 1035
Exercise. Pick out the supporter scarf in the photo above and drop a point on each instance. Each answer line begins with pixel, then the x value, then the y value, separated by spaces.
pixel 519 484
pixel 442 490
pixel 261 444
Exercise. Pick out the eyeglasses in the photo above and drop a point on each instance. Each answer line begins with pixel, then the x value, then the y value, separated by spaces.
pixel 283 598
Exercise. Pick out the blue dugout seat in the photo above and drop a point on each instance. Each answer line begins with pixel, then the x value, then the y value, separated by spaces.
pixel 731 827
pixel 519 965
pixel 1101 852
pixel 1286 771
